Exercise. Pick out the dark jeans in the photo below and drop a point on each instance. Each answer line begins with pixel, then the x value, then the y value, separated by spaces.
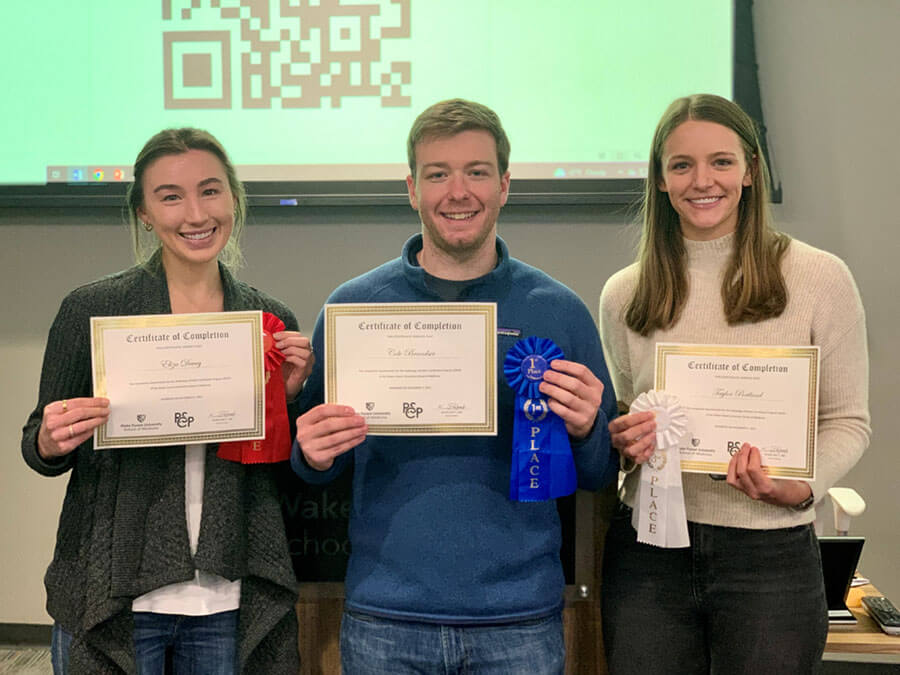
pixel 736 601
pixel 200 645
pixel 375 646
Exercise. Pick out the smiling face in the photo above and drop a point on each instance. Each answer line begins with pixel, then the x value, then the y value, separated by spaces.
pixel 704 171
pixel 458 191
pixel 188 202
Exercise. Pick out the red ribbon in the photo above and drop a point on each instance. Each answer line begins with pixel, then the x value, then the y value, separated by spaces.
pixel 276 446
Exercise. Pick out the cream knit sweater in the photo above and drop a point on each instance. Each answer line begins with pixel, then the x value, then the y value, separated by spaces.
pixel 824 308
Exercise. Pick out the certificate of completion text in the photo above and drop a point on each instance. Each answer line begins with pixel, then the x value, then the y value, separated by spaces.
pixel 732 394
pixel 414 368
pixel 173 379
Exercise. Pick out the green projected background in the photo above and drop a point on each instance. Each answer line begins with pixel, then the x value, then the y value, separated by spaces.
pixel 327 89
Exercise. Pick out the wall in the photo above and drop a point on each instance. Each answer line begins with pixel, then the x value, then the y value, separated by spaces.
pixel 827 71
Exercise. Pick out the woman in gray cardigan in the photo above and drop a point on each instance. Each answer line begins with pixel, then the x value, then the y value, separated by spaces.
pixel 165 541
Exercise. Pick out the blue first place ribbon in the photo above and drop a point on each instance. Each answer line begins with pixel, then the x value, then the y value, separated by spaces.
pixel 542 464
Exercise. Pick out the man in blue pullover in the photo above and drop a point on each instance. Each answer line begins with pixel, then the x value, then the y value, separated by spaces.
pixel 446 573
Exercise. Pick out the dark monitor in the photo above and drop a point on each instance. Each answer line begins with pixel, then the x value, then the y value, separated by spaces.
pixel 840 556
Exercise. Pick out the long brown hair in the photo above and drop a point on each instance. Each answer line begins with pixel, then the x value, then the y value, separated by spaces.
pixel 753 288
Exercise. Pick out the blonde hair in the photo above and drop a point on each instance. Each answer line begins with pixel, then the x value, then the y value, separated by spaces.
pixel 753 288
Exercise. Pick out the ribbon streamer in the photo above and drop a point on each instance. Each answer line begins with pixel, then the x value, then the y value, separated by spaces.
pixel 276 446
pixel 542 464
pixel 659 515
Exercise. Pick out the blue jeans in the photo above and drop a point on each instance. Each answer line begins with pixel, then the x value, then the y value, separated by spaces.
pixel 736 601
pixel 60 641
pixel 200 645
pixel 375 646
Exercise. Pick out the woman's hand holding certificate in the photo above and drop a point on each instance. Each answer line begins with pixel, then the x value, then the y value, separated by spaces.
pixel 68 423
pixel 746 473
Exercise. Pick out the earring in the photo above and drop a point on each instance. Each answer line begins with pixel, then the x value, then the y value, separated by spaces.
pixel 148 227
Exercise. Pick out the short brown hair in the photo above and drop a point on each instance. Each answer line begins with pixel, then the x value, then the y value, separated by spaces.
pixel 176 142
pixel 451 117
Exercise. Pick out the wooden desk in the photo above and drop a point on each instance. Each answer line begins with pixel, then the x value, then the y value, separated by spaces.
pixel 863 637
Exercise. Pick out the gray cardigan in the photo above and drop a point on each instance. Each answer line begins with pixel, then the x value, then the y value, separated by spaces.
pixel 122 530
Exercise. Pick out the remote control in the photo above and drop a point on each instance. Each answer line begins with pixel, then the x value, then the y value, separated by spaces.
pixel 883 611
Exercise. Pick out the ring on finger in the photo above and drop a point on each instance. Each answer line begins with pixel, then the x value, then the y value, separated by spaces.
pixel 65 405
pixel 71 432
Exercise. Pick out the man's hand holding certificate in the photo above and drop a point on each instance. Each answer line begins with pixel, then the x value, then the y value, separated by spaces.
pixel 179 378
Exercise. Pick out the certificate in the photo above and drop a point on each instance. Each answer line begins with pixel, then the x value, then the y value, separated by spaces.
pixel 173 379
pixel 732 394
pixel 415 368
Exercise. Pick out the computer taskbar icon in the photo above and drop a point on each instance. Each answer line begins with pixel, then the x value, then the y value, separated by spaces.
pixel 89 174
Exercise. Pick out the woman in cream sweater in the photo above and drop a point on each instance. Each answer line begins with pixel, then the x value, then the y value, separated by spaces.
pixel 712 270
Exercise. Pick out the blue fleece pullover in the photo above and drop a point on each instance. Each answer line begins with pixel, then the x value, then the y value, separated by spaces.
pixel 434 537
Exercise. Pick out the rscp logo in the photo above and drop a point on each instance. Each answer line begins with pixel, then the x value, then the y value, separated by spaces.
pixel 411 410
pixel 734 447
pixel 182 420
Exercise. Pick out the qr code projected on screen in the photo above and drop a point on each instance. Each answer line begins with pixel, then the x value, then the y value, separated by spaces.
pixel 287 53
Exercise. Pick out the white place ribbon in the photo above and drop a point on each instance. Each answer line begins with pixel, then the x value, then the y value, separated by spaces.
pixel 659 516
